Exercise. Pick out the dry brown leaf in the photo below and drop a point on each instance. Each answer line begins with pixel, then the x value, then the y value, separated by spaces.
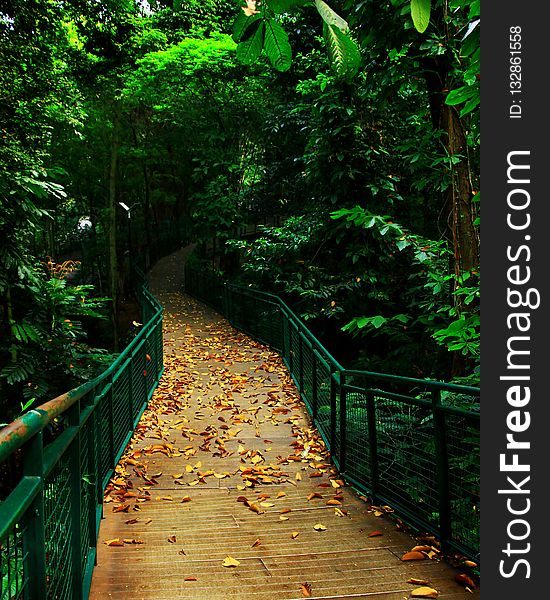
pixel 463 579
pixel 424 592
pixel 256 543
pixel 114 542
pixel 172 539
pixel 305 588
pixel 375 533
pixel 186 499
pixel 190 579
pixel 229 561
pixel 314 495
pixel 413 556
pixel 121 508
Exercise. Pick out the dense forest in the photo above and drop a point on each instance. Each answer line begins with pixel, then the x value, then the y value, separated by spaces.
pixel 329 154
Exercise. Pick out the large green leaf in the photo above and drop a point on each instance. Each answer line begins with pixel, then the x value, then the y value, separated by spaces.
pixel 342 50
pixel 241 26
pixel 249 50
pixel 420 11
pixel 330 17
pixel 276 45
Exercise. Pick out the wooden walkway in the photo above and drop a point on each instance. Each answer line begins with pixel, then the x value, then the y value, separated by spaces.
pixel 225 491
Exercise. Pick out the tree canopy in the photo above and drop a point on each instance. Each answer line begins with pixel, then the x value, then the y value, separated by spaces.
pixel 327 152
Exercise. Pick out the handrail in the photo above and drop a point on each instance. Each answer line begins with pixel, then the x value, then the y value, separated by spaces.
pixel 406 442
pixel 48 547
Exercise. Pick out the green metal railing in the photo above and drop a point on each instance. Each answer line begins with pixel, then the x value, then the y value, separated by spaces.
pixel 408 443
pixel 50 521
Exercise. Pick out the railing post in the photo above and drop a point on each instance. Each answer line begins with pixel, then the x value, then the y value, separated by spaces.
pixel 95 472
pixel 442 466
pixel 130 367
pixel 314 403
pixel 372 445
pixel 110 399
pixel 283 340
pixel 290 350
pixel 301 360
pixel 75 504
pixel 34 544
pixel 343 422
pixel 332 410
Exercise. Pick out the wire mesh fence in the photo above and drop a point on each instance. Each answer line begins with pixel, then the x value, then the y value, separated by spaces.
pixel 408 443
pixel 50 521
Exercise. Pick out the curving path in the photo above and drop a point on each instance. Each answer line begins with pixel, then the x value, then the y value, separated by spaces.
pixel 225 490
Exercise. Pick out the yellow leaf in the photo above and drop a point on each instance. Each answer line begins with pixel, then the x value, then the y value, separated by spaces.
pixel 424 592
pixel 283 518
pixel 114 542
pixel 229 561
pixel 281 494
pixel 295 534
pixel 319 527
pixel 298 477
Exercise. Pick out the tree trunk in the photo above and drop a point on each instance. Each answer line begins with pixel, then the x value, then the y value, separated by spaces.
pixel 113 263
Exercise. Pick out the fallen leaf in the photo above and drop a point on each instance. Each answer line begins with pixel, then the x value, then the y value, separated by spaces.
pixel 295 534
pixel 314 495
pixel 229 561
pixel 375 533
pixel 334 502
pixel 415 581
pixel 281 494
pixel 305 588
pixel 424 592
pixel 186 499
pixel 256 543
pixel 463 579
pixel 121 508
pixel 413 556
pixel 190 579
pixel 114 542
pixel 319 527
pixel 283 518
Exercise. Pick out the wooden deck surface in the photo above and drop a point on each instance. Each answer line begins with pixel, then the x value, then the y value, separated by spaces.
pixel 225 468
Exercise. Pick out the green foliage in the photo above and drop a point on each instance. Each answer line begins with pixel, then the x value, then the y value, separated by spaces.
pixel 420 12
pixel 257 29
pixel 46 344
